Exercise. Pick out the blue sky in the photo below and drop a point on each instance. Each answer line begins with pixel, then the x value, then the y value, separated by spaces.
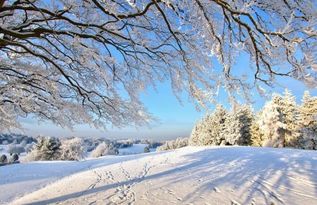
pixel 175 119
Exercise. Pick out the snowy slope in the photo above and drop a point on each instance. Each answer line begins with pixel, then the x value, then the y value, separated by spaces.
pixel 191 175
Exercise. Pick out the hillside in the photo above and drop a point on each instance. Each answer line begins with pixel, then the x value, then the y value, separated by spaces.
pixel 191 175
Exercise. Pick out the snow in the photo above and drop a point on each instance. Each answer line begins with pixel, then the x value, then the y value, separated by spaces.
pixel 3 149
pixel 190 175
pixel 134 149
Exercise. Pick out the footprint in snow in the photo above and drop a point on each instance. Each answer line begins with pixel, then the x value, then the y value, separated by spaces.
pixel 233 202
pixel 216 189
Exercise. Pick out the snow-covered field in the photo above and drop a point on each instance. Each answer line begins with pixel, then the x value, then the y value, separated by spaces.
pixel 135 149
pixel 191 175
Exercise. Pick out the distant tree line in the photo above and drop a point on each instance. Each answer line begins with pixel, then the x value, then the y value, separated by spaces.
pixel 173 144
pixel 280 123
pixel 15 139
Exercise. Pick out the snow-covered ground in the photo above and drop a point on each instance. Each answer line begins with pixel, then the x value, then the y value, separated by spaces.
pixel 191 175
pixel 3 149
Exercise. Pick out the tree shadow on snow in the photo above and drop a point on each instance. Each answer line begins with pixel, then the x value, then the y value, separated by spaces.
pixel 237 166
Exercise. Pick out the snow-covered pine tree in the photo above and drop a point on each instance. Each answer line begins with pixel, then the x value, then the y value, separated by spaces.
pixel 208 130
pixel 256 132
pixel 46 148
pixel 308 122
pixel 194 136
pixel 308 111
pixel 272 124
pixel 289 110
pixel 220 116
pixel 237 127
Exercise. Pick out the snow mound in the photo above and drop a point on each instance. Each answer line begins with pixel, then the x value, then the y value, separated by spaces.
pixel 191 175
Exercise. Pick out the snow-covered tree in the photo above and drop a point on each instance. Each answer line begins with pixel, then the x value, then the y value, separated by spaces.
pixel 289 110
pixel 198 128
pixel 72 149
pixel 75 61
pixel 104 149
pixel 237 129
pixel 208 130
pixel 146 149
pixel 272 124
pixel 308 111
pixel 256 132
pixel 308 139
pixel 3 159
pixel 308 122
pixel 46 148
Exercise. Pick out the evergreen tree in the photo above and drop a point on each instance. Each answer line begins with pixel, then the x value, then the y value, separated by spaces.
pixel 208 130
pixel 289 111
pixel 218 125
pixel 237 127
pixel 308 111
pixel 272 123
pixel 46 148
pixel 256 132
pixel 194 136
pixel 308 122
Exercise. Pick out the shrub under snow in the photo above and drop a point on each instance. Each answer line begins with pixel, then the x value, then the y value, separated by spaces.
pixel 146 149
pixel 173 144
pixel 104 149
pixel 72 149
pixel 14 158
pixel 3 159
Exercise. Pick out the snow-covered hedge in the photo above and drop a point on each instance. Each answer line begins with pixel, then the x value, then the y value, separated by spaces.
pixel 13 158
pixel 173 144
pixel 104 149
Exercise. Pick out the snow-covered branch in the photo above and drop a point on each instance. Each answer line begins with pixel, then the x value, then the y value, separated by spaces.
pixel 74 61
